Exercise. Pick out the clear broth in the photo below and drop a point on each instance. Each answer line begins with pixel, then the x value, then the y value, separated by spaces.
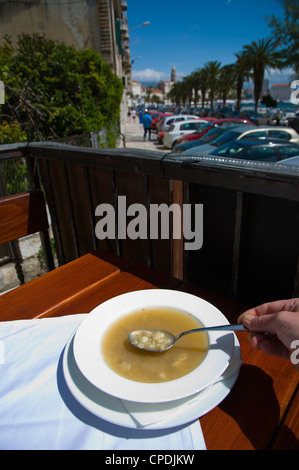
pixel 154 367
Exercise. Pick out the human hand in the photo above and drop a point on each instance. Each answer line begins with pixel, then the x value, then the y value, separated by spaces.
pixel 274 328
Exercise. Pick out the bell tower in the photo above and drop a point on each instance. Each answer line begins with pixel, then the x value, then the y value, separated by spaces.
pixel 173 77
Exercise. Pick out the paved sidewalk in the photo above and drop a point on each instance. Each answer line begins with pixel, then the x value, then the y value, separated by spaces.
pixel 134 137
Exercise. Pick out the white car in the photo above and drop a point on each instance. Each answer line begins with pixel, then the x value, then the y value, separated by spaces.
pixel 248 133
pixel 169 120
pixel 172 119
pixel 176 130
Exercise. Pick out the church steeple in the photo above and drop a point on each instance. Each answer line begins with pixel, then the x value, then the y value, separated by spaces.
pixel 173 77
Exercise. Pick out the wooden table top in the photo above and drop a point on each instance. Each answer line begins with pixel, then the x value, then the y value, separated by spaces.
pixel 261 411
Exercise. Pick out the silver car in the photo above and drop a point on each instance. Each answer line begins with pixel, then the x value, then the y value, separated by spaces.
pixel 243 132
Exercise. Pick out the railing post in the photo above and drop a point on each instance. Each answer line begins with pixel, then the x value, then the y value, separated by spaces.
pixel 237 242
pixel 178 244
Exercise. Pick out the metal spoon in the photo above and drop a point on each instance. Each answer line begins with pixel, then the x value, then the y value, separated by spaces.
pixel 161 340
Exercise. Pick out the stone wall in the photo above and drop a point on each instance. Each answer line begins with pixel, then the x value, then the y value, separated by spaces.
pixel 32 265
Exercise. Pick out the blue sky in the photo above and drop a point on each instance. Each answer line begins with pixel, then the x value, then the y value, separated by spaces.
pixel 189 33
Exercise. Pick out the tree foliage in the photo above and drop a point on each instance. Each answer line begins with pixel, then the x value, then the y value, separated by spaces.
pixel 286 32
pixel 53 90
pixel 261 54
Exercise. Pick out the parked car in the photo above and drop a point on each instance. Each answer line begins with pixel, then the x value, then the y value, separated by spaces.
pixel 207 138
pixel 272 119
pixel 252 115
pixel 291 161
pixel 243 132
pixel 155 116
pixel 217 123
pixel 168 121
pixel 262 150
pixel 161 119
pixel 294 122
pixel 177 129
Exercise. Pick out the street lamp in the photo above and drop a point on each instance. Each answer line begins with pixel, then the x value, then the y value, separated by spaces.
pixel 146 23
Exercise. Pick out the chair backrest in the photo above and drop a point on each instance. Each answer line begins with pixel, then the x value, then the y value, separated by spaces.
pixel 21 215
pixel 24 214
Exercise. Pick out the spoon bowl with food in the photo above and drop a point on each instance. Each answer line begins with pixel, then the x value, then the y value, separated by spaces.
pixel 161 340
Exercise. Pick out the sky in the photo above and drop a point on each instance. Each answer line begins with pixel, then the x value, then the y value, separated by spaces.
pixel 187 34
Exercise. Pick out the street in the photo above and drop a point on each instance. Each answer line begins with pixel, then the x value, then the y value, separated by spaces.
pixel 134 137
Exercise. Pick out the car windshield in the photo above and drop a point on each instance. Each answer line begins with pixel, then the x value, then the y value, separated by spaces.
pixel 205 126
pixel 230 135
pixel 228 150
pixel 212 135
pixel 287 151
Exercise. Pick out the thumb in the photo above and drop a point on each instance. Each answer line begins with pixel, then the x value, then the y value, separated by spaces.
pixel 262 324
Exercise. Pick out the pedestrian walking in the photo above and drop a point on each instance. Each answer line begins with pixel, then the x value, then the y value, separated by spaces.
pixel 133 114
pixel 140 116
pixel 147 120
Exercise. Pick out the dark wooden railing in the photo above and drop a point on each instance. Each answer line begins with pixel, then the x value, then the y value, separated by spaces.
pixel 250 245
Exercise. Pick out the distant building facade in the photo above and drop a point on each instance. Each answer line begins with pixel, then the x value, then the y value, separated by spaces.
pixel 281 92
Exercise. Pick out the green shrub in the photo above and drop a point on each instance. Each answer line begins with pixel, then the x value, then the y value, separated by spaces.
pixel 53 90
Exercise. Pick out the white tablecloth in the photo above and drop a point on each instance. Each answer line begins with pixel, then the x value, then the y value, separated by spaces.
pixel 37 411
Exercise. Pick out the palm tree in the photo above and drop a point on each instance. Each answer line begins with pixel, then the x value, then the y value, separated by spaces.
pixel 242 72
pixel 203 84
pixel 176 94
pixel 213 69
pixel 261 55
pixel 187 85
pixel 286 33
pixel 196 85
pixel 226 80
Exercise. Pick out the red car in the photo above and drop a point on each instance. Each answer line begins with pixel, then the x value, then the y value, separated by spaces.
pixel 155 116
pixel 208 127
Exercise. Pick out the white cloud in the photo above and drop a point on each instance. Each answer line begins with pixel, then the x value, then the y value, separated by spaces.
pixel 149 75
pixel 276 76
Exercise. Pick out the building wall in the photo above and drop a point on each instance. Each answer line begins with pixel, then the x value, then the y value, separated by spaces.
pixel 73 23
pixel 92 24
pixel 281 92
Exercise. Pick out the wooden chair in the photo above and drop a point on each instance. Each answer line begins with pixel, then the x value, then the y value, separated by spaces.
pixel 24 214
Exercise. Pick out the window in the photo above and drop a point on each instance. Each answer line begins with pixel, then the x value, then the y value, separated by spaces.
pixel 279 134
pixel 211 135
pixel 189 126
pixel 228 150
pixel 233 152
pixel 286 151
pixel 264 154
pixel 199 125
pixel 247 154
pixel 231 135
pixel 254 135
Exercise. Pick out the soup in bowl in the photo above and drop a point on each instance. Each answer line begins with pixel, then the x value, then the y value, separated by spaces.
pixel 106 358
pixel 154 367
